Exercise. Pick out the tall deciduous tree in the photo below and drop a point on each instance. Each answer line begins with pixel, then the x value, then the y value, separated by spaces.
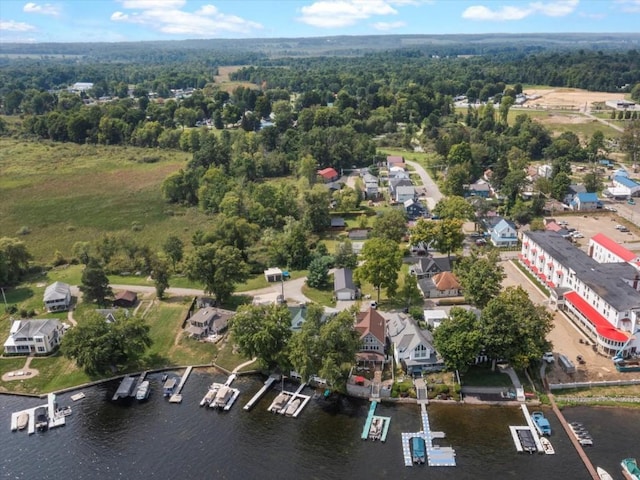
pixel 630 141
pixel 218 267
pixel 344 256
pixel 454 207
pixel 446 236
pixel 410 293
pixel 95 284
pixel 98 346
pixel 173 249
pixel 458 339
pixel 480 276
pixel 382 262
pixel 263 331
pixel 514 329
pixel 390 225
pixel 14 260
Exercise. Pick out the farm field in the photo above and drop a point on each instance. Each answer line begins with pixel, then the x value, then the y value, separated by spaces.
pixel 56 194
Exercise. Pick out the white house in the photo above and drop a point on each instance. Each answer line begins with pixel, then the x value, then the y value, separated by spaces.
pixel 371 188
pixel 503 233
pixel 603 298
pixel 405 193
pixel 33 336
pixel 605 250
pixel 412 346
pixel 585 201
pixel 57 297
pixel 624 186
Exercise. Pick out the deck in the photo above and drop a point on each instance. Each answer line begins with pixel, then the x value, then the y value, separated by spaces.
pixel 260 393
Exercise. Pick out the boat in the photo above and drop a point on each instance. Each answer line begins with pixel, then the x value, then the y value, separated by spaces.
pixel 526 440
pixel 64 412
pixel 417 447
pixel 42 419
pixel 279 402
pixel 222 397
pixel 169 386
pixel 293 406
pixel 628 365
pixel 546 446
pixel 541 423
pixel 581 434
pixel 23 420
pixel 143 391
pixel 375 432
pixel 630 469
pixel 210 395
pixel 603 474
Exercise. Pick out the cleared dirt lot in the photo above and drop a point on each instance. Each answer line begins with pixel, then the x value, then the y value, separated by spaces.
pixel 569 98
pixel 565 336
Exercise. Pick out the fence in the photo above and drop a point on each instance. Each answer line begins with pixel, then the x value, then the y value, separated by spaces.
pixel 604 383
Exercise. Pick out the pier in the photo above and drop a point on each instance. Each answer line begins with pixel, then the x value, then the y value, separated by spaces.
pixel 53 419
pixel 437 456
pixel 177 395
pixel 210 398
pixel 290 403
pixel 525 437
pixel 126 389
pixel 260 393
pixel 371 418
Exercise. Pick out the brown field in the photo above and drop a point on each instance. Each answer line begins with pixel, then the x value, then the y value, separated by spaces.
pixel 225 82
pixel 568 98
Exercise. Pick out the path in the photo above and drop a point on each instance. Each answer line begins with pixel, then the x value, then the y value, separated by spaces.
pixel 433 192
pixel 24 372
pixel 587 113
pixel 512 375
pixel 242 365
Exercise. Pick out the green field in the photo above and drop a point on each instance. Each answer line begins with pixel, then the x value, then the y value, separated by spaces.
pixel 63 193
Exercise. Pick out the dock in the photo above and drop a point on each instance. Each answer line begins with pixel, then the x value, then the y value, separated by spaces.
pixel 294 396
pixel 525 437
pixel 371 418
pixel 177 395
pixel 210 396
pixel 260 393
pixel 516 439
pixel 53 420
pixel 532 427
pixel 437 456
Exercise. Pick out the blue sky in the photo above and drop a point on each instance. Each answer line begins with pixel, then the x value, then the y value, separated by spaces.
pixel 135 20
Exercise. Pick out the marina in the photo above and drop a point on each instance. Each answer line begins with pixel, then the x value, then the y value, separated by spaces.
pixel 260 393
pixel 41 418
pixel 437 456
pixel 375 427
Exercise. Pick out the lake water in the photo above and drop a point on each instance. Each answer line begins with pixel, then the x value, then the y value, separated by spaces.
pixel 104 440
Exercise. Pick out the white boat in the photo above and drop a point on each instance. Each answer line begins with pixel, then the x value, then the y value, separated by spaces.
pixel 603 474
pixel 23 420
pixel 293 406
pixel 143 391
pixel 279 402
pixel 222 397
pixel 210 395
pixel 63 412
pixel 546 446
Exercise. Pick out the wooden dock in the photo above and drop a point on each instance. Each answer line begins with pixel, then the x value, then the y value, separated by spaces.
pixel 177 395
pixel 260 393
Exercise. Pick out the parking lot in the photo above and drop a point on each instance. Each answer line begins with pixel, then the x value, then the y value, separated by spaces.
pixel 565 336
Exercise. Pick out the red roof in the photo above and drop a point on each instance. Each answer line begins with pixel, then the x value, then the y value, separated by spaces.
pixel 553 227
pixel 372 322
pixel 614 247
pixel 392 159
pixel 328 173
pixel 551 284
pixel 603 327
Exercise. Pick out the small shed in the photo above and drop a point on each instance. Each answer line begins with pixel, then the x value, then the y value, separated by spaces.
pixel 125 299
pixel 273 274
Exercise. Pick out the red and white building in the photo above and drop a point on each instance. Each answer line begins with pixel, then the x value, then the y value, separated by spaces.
pixel 601 291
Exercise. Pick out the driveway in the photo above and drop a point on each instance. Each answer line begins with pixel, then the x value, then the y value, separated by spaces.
pixel 433 193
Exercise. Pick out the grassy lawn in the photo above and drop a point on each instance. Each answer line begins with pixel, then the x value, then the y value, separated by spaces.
pixel 480 376
pixel 228 358
pixel 322 297
pixel 61 200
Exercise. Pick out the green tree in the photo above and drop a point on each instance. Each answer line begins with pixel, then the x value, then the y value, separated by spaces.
pixel 630 140
pixel 458 339
pixel 318 272
pixel 263 331
pixel 344 256
pixel 409 293
pixel 457 176
pixel 454 207
pixel 592 181
pixel 160 276
pixel 560 186
pixel 173 249
pixel 308 168
pixel 390 225
pixel 14 260
pixel 480 276
pixel 347 199
pixel 446 236
pixel 514 329
pixel 94 283
pixel 218 267
pixel 315 208
pixel 98 346
pixel 382 262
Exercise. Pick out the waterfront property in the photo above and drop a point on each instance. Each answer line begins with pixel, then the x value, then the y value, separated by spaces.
pixel 412 347
pixel 525 437
pixel 208 321
pixel 57 297
pixel 371 326
pixel 375 427
pixel 33 336
pixel 600 292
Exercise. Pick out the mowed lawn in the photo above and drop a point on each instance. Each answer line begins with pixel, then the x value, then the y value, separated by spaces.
pixel 63 193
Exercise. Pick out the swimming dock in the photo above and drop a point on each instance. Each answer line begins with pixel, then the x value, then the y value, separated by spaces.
pixel 267 385
pixel 53 419
pixel 381 425
pixel 437 456
pixel 177 396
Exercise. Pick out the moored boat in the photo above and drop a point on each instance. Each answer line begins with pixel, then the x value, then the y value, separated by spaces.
pixel 541 423
pixel 64 412
pixel 630 469
pixel 279 402
pixel 418 450
pixel 23 420
pixel 143 391
pixel 293 406
pixel 169 386
pixel 603 474
pixel 222 397
pixel 210 395
pixel 546 446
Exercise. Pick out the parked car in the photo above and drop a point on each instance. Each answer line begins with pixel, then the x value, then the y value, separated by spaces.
pixel 548 357
pixel 577 235
pixel 481 242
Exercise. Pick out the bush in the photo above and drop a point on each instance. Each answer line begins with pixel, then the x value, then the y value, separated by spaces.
pixel 416 313
pixel 23 230
pixel 11 309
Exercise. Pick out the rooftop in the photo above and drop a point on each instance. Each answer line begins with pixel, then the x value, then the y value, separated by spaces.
pixel 614 247
pixel 602 325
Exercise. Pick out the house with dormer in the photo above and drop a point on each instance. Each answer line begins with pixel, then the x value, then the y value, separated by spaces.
pixel 208 321
pixel 503 233
pixel 427 267
pixel 372 328
pixel 412 347
pixel 33 336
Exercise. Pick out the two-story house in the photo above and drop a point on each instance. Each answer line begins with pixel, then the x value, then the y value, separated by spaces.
pixel 57 297
pixel 372 327
pixel 208 321
pixel 412 347
pixel 503 233
pixel 33 336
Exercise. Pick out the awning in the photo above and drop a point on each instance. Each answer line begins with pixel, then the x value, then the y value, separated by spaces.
pixel 533 250
pixel 541 257
pixel 535 269
pixel 526 244
pixel 550 264
pixel 542 276
pixel 526 260
pixel 359 379
pixel 601 324
pixel 551 284
pixel 559 273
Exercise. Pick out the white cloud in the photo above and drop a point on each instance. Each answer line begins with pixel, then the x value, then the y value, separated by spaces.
pixel 13 26
pixel 168 17
pixel 559 8
pixel 342 13
pixel 629 6
pixel 386 26
pixel 46 9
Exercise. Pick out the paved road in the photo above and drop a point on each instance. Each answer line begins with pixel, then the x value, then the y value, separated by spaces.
pixel 587 113
pixel 433 192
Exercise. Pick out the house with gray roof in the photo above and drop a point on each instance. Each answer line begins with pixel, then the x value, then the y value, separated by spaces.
pixel 412 347
pixel 343 286
pixel 394 183
pixel 427 267
pixel 33 336
pixel 603 298
pixel 57 297
pixel 404 193
pixel 208 321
